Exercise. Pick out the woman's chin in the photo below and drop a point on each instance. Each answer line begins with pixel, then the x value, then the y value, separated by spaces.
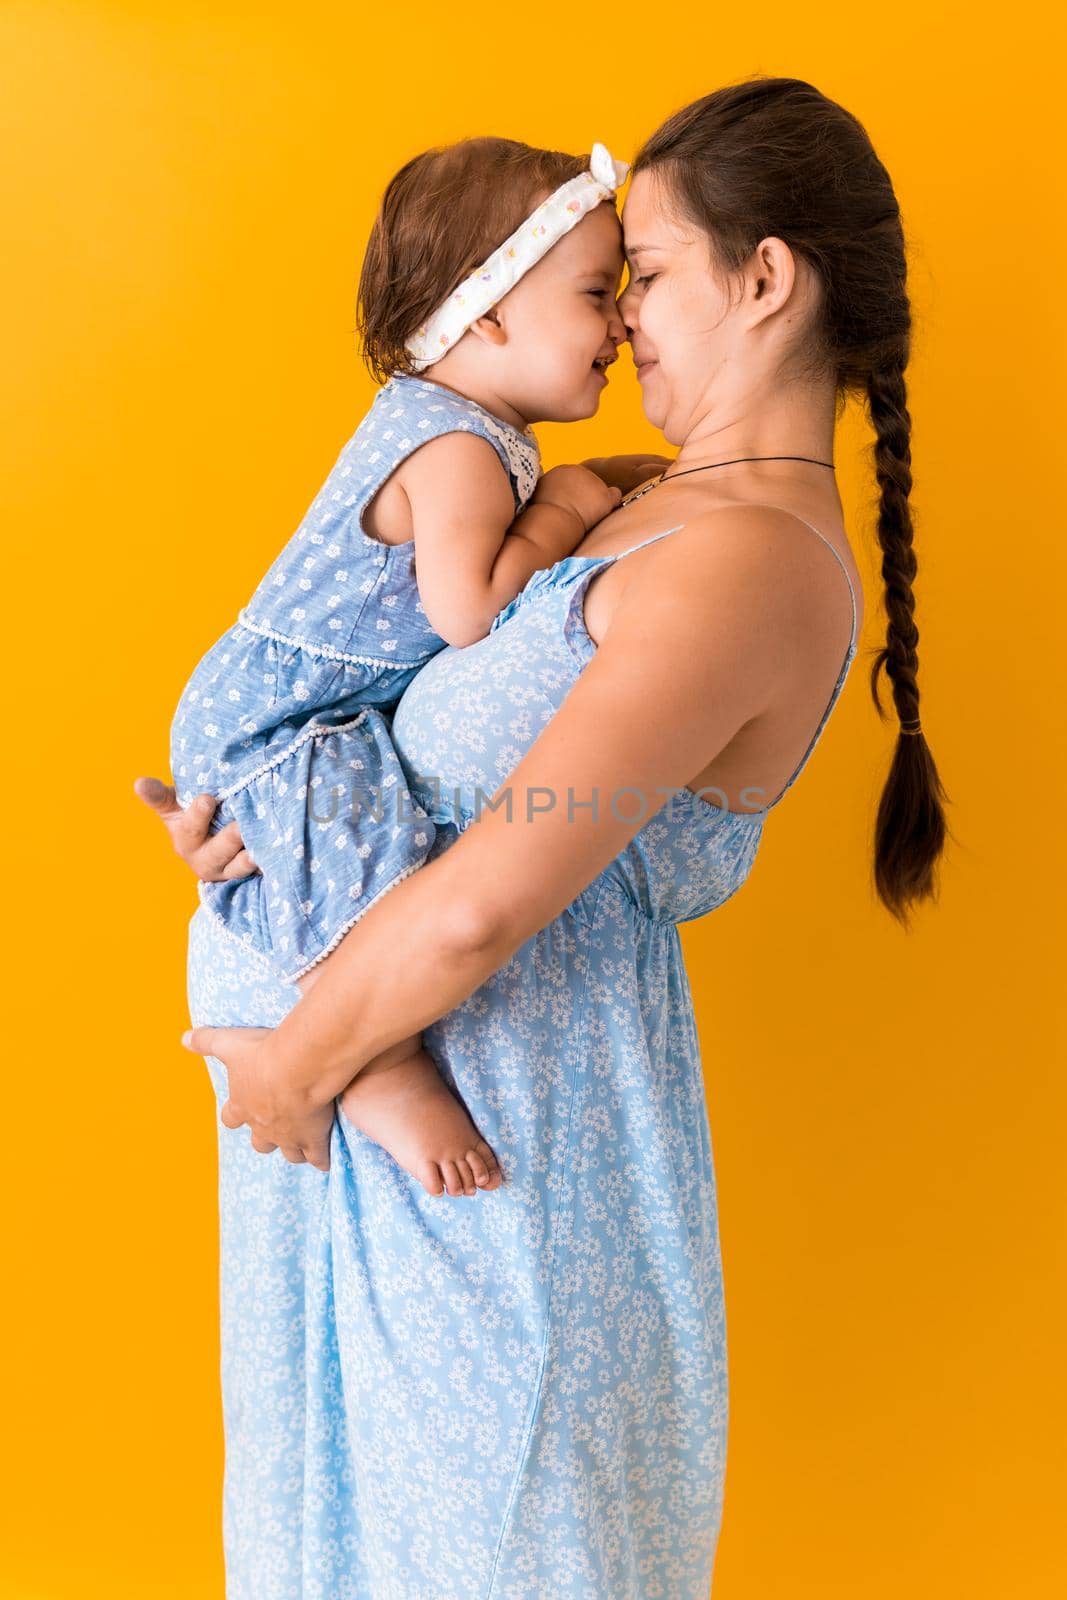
pixel 655 412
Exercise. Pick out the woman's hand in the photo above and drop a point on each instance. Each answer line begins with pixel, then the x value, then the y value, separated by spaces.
pixel 626 472
pixel 214 859
pixel 258 1098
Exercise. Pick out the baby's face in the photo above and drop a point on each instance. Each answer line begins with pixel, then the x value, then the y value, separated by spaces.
pixel 561 317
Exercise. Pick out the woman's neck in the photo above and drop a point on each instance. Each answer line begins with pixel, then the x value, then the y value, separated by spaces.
pixel 776 421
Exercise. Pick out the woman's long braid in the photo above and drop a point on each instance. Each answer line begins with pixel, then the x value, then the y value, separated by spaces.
pixel 887 403
pixel 910 825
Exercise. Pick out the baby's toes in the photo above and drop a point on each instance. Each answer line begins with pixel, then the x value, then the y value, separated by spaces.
pixel 451 1175
pixel 466 1176
pixel 485 1166
pixel 429 1175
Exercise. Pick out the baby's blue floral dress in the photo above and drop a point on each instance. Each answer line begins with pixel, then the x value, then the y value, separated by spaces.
pixel 286 718
pixel 519 1396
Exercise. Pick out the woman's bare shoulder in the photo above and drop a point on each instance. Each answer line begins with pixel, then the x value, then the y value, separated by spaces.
pixel 733 601
pixel 762 566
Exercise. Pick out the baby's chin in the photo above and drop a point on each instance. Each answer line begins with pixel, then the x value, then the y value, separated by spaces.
pixel 577 409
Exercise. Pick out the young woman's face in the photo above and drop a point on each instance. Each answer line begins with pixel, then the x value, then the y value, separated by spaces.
pixel 678 318
pixel 561 317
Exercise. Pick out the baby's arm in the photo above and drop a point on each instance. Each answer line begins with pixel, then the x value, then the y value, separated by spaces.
pixel 472 553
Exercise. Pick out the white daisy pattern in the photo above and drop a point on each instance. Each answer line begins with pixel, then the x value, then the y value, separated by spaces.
pixel 295 699
pixel 522 1394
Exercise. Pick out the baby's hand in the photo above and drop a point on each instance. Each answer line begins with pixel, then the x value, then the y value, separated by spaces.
pixel 579 491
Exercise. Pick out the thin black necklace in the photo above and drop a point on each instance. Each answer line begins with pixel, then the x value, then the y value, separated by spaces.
pixel 664 478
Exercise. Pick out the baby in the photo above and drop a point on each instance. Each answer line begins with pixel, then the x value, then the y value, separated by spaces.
pixel 498 265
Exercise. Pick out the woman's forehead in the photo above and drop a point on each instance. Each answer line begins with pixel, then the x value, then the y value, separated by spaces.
pixel 647 215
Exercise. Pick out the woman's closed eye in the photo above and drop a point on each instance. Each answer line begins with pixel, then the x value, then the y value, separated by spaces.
pixel 648 278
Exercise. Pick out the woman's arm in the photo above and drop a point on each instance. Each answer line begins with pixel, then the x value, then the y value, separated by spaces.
pixel 703 633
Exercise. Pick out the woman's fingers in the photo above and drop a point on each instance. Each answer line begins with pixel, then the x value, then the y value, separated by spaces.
pixel 626 472
pixel 318 1155
pixel 188 828
pixel 225 1044
pixel 191 829
pixel 300 1137
pixel 216 859
pixel 242 865
pixel 159 796
pixel 203 1041
pixel 206 853
pixel 230 1117
pixel 298 1155
pixel 641 471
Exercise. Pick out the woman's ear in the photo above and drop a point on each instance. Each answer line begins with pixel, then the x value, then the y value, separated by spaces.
pixel 771 275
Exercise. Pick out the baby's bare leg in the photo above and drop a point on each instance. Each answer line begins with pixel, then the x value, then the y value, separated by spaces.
pixel 400 1100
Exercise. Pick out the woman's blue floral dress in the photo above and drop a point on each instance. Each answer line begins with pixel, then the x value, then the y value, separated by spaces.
pixel 521 1395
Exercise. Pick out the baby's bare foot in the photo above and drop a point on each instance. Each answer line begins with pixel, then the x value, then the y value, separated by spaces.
pixel 410 1111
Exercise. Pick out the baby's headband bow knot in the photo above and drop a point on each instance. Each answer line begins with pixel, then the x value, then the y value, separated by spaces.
pixel 532 239
pixel 612 174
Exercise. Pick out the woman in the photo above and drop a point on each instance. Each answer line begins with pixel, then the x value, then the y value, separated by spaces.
pixel 528 1395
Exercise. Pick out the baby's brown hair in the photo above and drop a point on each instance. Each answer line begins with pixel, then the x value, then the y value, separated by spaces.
pixel 442 214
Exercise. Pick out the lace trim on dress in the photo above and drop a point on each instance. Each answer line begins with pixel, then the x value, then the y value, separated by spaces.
pixel 327 651
pixel 313 730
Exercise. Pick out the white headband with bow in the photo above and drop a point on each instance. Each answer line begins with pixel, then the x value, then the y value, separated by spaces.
pixel 487 284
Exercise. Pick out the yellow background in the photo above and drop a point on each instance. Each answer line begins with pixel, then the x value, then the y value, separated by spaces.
pixel 187 190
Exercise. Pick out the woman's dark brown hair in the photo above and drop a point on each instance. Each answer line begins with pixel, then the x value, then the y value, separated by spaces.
pixel 774 157
pixel 442 214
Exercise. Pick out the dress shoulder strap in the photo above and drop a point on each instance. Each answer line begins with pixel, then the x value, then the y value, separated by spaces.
pixel 849 653
pixel 842 672
pixel 837 557
pixel 618 554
